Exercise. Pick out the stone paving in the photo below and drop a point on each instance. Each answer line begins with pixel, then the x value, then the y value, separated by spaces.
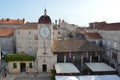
pixel 24 76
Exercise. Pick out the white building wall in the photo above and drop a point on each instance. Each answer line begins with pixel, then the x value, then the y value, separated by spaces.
pixel 7 44
pixel 111 43
pixel 25 41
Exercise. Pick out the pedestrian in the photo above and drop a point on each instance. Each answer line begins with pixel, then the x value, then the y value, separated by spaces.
pixel 3 73
pixel 35 74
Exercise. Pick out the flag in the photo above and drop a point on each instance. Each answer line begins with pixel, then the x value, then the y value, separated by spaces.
pixel 4 52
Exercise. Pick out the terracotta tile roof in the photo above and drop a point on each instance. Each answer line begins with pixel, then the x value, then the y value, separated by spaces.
pixel 12 21
pixel 80 31
pixel 111 26
pixel 6 32
pixel 74 46
pixel 96 24
pixel 29 26
pixel 92 35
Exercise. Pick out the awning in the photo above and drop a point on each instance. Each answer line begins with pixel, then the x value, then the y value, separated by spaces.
pixel 66 68
pixel 89 77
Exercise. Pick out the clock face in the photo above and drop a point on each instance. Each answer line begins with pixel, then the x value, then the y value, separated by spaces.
pixel 44 31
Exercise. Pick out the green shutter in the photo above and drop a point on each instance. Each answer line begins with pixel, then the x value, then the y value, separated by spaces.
pixel 30 65
pixel 14 65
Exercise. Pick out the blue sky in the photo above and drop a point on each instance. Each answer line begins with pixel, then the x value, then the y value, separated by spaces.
pixel 79 12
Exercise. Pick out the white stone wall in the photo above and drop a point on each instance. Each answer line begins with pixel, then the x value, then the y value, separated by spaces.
pixel 67 26
pixel 111 42
pixel 8 44
pixel 64 28
pixel 45 46
pixel 17 70
pixel 25 41
pixel 110 38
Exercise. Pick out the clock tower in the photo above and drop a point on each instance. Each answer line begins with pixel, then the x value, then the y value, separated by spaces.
pixel 45 57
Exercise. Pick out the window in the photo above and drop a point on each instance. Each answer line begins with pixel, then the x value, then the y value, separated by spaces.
pixel 114 55
pixel 59 32
pixel 14 65
pixel 115 44
pixel 30 65
pixel 58 26
pixel 36 37
pixel 108 43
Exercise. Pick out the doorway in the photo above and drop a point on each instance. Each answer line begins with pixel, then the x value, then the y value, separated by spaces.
pixel 22 67
pixel 44 68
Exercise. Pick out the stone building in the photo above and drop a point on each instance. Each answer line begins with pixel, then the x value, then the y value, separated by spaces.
pixel 37 39
pixel 21 66
pixel 27 38
pixel 7 40
pixel 93 37
pixel 62 30
pixel 7 36
pixel 11 23
pixel 111 42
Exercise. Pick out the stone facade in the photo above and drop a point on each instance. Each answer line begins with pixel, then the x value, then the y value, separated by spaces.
pixel 110 41
pixel 110 34
pixel 45 57
pixel 40 38
pixel 7 44
pixel 62 30
pixel 7 40
pixel 26 41
pixel 93 37
pixel 21 66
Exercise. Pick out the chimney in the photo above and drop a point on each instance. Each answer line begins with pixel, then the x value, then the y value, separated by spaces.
pixel 55 22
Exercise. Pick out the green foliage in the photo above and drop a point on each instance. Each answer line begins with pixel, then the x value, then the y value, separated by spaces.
pixel 84 70
pixel 52 77
pixel 53 72
pixel 19 57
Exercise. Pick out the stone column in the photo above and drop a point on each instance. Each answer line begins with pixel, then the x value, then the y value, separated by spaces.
pixel 73 59
pixel 90 58
pixel 81 60
pixel 64 58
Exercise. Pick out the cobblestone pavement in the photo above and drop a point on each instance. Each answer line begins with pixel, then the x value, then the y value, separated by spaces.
pixel 32 78
pixel 24 76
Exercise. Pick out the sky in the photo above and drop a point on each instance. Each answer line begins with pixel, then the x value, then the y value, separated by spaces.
pixel 79 12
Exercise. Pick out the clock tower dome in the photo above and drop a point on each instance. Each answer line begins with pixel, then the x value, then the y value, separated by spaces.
pixel 45 57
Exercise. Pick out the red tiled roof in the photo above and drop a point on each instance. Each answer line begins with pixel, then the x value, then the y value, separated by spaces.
pixel 111 26
pixel 74 46
pixel 96 24
pixel 29 25
pixel 6 32
pixel 12 21
pixel 93 35
pixel 80 31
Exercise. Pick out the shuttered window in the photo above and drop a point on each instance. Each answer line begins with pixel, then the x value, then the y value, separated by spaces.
pixel 30 65
pixel 14 65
